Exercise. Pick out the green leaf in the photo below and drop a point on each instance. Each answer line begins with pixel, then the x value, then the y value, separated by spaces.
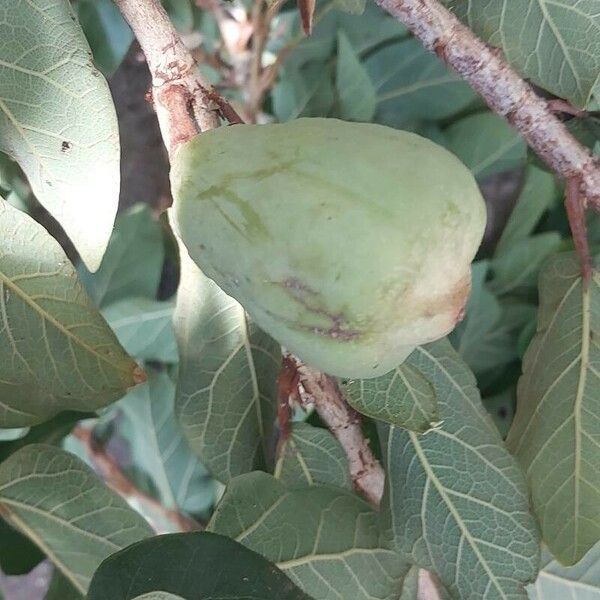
pixel 52 431
pixel 555 582
pixel 10 435
pixel 56 352
pixel 17 554
pixel 456 502
pixel 159 596
pixel 312 456
pixel 556 431
pixel 518 267
pixel 226 389
pixel 501 408
pixel 58 121
pixel 371 29
pixel 326 540
pixel 355 7
pixel 403 397
pixel 181 14
pixel 159 448
pixel 486 144
pixel 552 42
pixel 60 504
pixel 538 195
pixel 144 327
pixel 304 92
pixel 191 565
pixel 61 588
pixel 411 83
pixel 481 339
pixel 133 261
pixel 356 94
pixel 106 31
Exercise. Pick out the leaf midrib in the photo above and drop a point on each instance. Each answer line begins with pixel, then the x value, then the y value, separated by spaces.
pixel 442 492
pixel 583 370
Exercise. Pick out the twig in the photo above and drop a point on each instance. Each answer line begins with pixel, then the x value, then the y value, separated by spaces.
pixel 486 70
pixel 344 422
pixel 185 102
pixel 111 472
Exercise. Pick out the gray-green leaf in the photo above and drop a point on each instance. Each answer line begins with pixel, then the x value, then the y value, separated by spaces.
pixel 226 389
pixel 356 94
pixel 456 501
pixel 537 196
pixel 312 456
pixel 133 261
pixel 326 540
pixel 412 83
pixel 486 144
pixel 556 431
pixel 58 502
pixel 552 42
pixel 517 268
pixel 144 327
pixel 402 397
pixel 556 582
pixel 58 121
pixel 159 448
pixel 196 565
pixel 56 351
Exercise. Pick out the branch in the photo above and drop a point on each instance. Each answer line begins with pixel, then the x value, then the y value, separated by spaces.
pixel 112 474
pixel 344 422
pixel 185 102
pixel 503 89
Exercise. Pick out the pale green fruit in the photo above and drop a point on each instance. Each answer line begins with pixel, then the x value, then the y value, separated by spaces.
pixel 349 243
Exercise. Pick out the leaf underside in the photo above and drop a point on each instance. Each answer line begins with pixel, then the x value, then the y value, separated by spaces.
pixel 556 431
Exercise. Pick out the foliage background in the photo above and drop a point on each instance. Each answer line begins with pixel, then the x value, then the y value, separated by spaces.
pixel 355 67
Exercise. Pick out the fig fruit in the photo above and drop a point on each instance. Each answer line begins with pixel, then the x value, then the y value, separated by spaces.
pixel 349 243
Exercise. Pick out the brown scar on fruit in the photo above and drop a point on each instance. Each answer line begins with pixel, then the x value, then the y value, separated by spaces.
pixel 338 330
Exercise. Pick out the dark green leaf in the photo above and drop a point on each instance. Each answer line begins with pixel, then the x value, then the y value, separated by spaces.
pixel 502 409
pixel 191 565
pixel 18 555
pixel 325 539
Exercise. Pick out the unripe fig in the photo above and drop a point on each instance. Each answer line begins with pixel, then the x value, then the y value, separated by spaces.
pixel 349 243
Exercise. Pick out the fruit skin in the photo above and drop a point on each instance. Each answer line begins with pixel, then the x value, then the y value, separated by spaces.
pixel 349 243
